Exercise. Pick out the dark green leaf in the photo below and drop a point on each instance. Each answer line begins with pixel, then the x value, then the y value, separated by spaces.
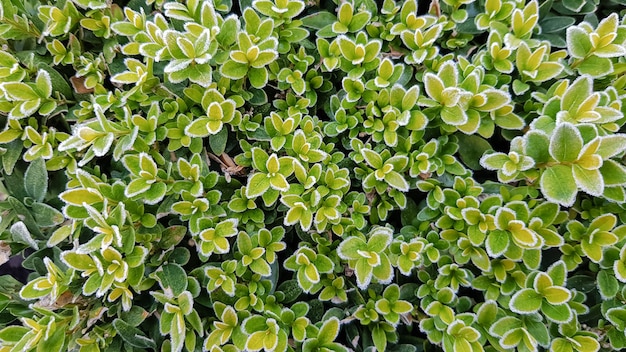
pixel 218 141
pixel 471 149
pixel 132 335
pixel 319 20
pixel 46 215
pixel 171 236
pixel 556 23
pixel 12 155
pixel 573 5
pixel 36 180
pixel 291 289
pixel 172 277
pixel 243 4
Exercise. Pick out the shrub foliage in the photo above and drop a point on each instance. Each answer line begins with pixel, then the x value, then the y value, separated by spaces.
pixel 289 175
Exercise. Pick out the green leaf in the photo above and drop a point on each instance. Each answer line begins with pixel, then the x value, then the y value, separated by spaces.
pixel 348 248
pixel 494 100
pixel 13 333
pixel 379 337
pixel 345 13
pixel 536 146
pixel 259 159
pixel 525 301
pixel 372 158
pixel 397 181
pixel 279 182
pixel 137 186
pixel 558 185
pixel 565 143
pixel 359 21
pixel 255 341
pixel 384 271
pixel 613 173
pixel 515 337
pixel 596 66
pixel 244 4
pixel 519 87
pixel 136 257
pixel 20 91
pixel 36 180
pixel 578 42
pixel 21 234
pixel 433 86
pixel 539 330
pixel 558 271
pixel 617 317
pixel 52 343
pixel 30 292
pixel 324 264
pixel 198 128
pixel 363 272
pixel 59 235
pixel 556 295
pixel 261 267
pixel 497 243
pixel 234 70
pixel 454 115
pixel 258 183
pixel 524 237
pixel 43 84
pixel 379 240
pixel 264 58
pixel 329 331
pixel 272 165
pixel 608 286
pixel 258 77
pixel 589 181
pixel 576 94
pixel 172 236
pixel 558 313
pixel 611 146
pixel 504 325
pixel 132 335
pixel 587 343
pixel 546 211
pixel 172 277
pixel 81 262
pixel 58 82
pixel 155 193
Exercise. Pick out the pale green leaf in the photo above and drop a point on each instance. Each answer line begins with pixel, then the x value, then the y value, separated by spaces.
pixel 558 185
pixel 565 143
pixel 525 301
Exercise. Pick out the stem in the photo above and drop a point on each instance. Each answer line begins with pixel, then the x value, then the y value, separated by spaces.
pixel 577 62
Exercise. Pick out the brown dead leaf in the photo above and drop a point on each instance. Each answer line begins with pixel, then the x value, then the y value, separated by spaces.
pixel 78 83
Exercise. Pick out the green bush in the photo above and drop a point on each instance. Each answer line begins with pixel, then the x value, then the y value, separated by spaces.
pixel 289 175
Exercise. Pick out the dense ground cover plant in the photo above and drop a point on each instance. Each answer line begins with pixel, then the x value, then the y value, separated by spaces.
pixel 318 175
